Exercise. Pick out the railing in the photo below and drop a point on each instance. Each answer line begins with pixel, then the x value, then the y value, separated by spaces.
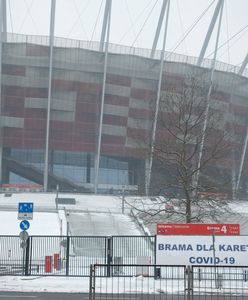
pixel 120 49
pixel 70 255
pixel 167 282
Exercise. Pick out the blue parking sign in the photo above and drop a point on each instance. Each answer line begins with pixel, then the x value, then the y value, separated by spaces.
pixel 25 210
pixel 25 207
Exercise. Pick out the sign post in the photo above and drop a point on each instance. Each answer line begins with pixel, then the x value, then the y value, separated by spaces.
pixel 25 213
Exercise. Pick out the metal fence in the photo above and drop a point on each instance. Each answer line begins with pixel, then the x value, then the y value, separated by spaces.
pixel 168 282
pixel 71 255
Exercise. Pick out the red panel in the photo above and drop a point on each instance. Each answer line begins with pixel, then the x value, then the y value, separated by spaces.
pixel 134 152
pixel 34 143
pixel 85 138
pixel 87 107
pixel 60 145
pixel 36 92
pixel 93 88
pixel 35 123
pixel 14 91
pixel 238 109
pixel 87 98
pixel 35 113
pixel 34 134
pixel 140 113
pixel 86 117
pixel 111 139
pixel 13 70
pixel 118 80
pixel 138 133
pixel 113 149
pixel 60 125
pixel 115 120
pixel 221 96
pixel 143 94
pixel 14 143
pixel 85 126
pixel 198 229
pixel 64 85
pixel 16 101
pixel 25 92
pixel 84 147
pixel 10 132
pixel 117 100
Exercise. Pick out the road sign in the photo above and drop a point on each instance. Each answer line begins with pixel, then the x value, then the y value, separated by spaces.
pixel 25 210
pixel 24 225
pixel 200 229
pixel 23 235
pixel 201 250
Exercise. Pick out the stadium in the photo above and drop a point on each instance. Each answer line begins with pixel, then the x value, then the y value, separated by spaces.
pixel 71 110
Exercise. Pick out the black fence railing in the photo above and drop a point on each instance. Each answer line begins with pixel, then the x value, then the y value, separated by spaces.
pixel 71 255
pixel 159 282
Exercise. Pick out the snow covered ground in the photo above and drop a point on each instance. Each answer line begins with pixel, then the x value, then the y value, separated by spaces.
pixel 50 221
pixel 42 224
pixel 90 215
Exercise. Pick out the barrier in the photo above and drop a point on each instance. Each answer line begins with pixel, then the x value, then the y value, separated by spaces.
pixel 48 264
pixel 55 260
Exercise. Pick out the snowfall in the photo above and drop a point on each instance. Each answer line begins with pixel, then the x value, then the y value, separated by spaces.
pixel 49 219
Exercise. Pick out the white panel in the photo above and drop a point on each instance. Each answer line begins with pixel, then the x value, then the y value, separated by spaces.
pixel 115 110
pixel 139 123
pixel 11 122
pixel 114 130
pixel 198 250
pixel 62 116
pixel 56 104
pixel 117 90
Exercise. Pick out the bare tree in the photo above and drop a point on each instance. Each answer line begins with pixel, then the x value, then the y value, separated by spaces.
pixel 177 150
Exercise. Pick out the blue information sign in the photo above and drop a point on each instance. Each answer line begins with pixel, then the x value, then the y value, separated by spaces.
pixel 25 210
pixel 24 225
pixel 25 207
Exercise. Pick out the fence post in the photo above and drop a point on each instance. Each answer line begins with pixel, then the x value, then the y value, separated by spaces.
pixel 109 255
pixel 92 283
pixel 67 256
pixel 27 250
pixel 189 273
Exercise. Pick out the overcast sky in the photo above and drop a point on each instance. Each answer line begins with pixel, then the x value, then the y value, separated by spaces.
pixel 133 22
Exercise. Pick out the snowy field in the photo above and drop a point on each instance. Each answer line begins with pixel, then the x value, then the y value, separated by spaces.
pixel 42 224
pixel 91 215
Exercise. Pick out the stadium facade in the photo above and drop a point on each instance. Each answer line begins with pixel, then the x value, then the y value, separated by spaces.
pixel 82 128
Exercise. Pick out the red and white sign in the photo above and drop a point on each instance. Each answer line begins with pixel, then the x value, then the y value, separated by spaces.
pixel 198 229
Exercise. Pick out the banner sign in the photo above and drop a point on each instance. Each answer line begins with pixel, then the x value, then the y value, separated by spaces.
pixel 201 250
pixel 200 229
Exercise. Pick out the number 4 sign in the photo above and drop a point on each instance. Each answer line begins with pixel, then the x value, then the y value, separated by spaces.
pixel 198 229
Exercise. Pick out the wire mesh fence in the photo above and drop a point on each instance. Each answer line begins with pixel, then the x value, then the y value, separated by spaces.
pixel 118 49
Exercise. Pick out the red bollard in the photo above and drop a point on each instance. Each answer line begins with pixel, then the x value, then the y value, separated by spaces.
pixel 48 264
pixel 55 260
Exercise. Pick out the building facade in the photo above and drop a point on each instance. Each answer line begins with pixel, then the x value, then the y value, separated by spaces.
pixel 75 111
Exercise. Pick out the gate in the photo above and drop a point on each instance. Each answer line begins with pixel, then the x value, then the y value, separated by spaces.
pixel 169 282
pixel 222 282
pixel 139 282
pixel 13 256
pixel 71 255
pixel 66 256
